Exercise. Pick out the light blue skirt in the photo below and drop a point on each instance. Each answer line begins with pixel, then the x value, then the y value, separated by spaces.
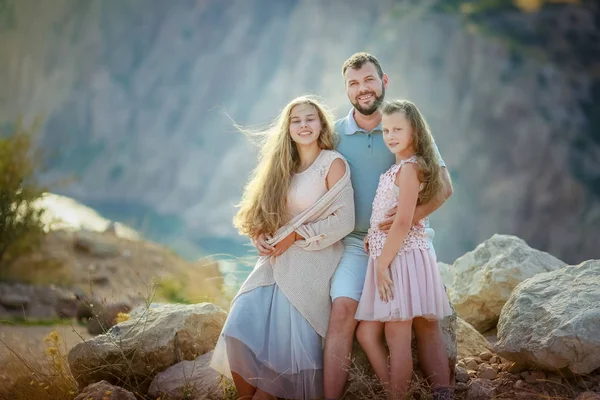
pixel 270 345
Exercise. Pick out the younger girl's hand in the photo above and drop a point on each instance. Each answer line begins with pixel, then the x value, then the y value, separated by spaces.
pixel 384 282
pixel 285 244
pixel 366 244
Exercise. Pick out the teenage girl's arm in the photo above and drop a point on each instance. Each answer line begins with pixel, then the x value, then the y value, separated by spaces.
pixel 336 171
pixel 407 180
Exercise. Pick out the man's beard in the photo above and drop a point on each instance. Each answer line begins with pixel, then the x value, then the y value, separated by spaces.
pixel 374 107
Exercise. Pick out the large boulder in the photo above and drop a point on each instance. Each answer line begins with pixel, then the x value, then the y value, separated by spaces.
pixel 469 341
pixel 552 321
pixel 188 380
pixel 485 277
pixel 447 273
pixel 133 352
pixel 362 381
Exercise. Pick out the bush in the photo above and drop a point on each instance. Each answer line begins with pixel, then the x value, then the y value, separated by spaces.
pixel 21 227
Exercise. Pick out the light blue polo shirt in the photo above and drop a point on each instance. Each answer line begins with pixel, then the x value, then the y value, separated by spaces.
pixel 368 157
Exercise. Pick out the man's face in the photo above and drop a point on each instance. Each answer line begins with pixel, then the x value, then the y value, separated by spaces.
pixel 365 89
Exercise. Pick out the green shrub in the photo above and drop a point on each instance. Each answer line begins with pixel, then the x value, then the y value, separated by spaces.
pixel 21 227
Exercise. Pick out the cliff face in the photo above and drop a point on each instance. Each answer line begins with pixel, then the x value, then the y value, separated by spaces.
pixel 138 97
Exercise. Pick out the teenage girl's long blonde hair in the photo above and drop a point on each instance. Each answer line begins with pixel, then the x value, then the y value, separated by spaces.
pixel 263 208
pixel 423 145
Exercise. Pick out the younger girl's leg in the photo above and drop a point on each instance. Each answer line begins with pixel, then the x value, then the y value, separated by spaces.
pixel 398 335
pixel 433 357
pixel 371 338
pixel 245 390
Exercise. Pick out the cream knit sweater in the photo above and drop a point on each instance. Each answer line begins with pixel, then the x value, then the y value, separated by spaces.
pixel 304 271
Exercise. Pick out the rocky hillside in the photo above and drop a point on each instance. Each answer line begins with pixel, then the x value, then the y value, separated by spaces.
pixel 138 97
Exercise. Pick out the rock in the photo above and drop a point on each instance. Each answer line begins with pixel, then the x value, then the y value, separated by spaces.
pixel 461 387
pixel 472 365
pixel 95 244
pixel 187 380
pixel 104 316
pixel 361 375
pixel 141 347
pixel 516 368
pixel 533 376
pixel 495 360
pixel 461 375
pixel 35 301
pixel 486 356
pixel 103 390
pixel 480 389
pixel 469 341
pixel 554 378
pixel 14 301
pixel 588 396
pixel 552 320
pixel 520 384
pixel 447 273
pixel 486 277
pixel 486 372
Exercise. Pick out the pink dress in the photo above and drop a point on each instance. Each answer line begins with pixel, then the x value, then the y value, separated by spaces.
pixel 418 287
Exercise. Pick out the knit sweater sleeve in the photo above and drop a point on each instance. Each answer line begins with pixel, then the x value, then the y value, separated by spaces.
pixel 332 228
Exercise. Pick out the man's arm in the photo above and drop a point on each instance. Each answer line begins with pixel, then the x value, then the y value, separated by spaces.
pixel 426 209
pixel 423 210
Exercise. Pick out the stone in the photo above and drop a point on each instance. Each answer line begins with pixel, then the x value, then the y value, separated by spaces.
pixel 461 375
pixel 486 277
pixel 470 342
pixel 480 389
pixel 487 372
pixel 551 321
pixel 187 380
pixel 140 348
pixel 533 376
pixel 103 390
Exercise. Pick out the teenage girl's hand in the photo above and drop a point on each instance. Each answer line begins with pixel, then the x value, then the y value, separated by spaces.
pixel 384 282
pixel 264 248
pixel 366 244
pixel 285 244
pixel 386 224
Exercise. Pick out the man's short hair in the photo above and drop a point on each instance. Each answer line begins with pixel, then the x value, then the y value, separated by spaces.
pixel 356 61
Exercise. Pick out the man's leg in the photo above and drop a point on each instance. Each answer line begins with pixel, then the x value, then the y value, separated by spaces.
pixel 346 287
pixel 338 346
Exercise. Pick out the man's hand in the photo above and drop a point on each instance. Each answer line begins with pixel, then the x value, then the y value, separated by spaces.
pixel 366 244
pixel 385 284
pixel 285 244
pixel 264 248
pixel 386 224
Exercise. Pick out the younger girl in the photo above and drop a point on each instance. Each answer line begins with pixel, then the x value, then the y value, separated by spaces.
pixel 403 281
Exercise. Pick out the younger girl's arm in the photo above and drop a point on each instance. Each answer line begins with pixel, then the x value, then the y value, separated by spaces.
pixel 408 181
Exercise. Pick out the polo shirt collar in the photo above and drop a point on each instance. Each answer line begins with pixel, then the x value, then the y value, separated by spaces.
pixel 352 127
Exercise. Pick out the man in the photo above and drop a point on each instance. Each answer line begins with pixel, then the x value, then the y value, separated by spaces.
pixel 361 143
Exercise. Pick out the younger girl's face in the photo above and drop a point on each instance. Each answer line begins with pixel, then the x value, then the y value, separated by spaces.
pixel 397 132
pixel 305 124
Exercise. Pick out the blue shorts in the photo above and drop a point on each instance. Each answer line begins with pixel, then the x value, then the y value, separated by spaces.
pixel 349 277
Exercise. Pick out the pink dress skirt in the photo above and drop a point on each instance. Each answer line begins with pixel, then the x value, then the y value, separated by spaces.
pixel 418 290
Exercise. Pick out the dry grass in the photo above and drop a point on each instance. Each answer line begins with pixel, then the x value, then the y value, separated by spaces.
pixel 39 376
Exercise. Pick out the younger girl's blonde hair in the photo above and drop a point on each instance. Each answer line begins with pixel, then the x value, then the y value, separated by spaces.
pixel 423 145
pixel 263 208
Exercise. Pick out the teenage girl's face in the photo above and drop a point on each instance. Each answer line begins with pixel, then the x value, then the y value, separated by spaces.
pixel 397 133
pixel 305 124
